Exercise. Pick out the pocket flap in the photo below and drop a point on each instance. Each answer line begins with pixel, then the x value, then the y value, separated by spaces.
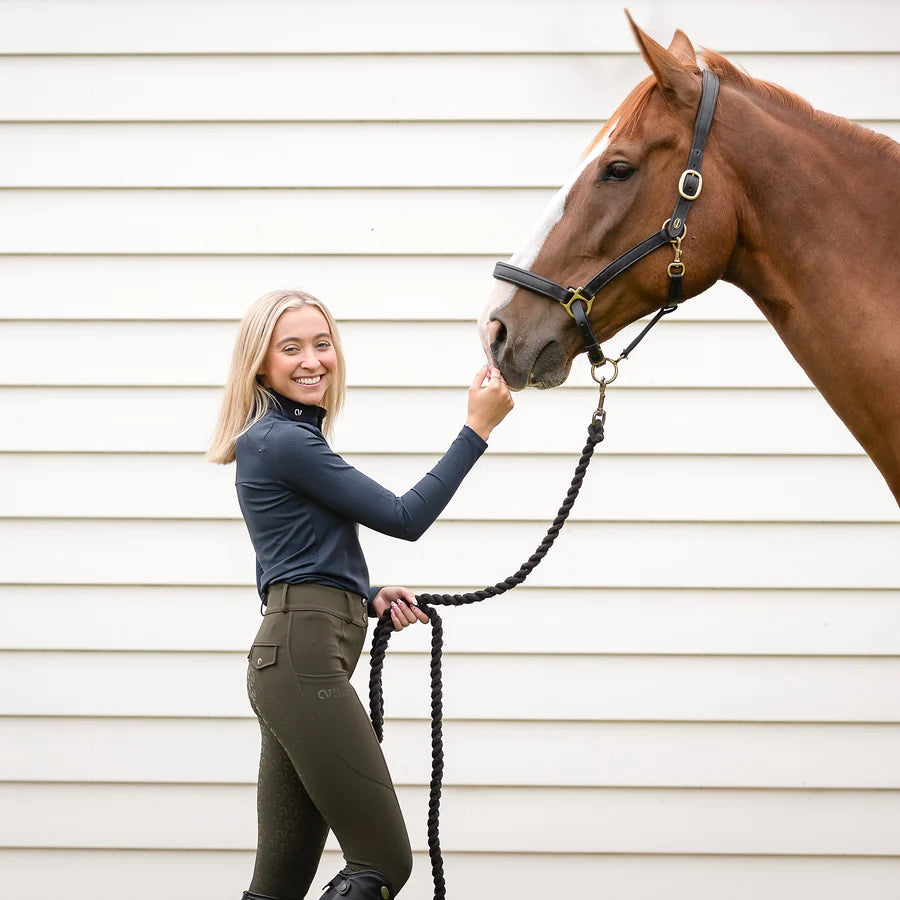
pixel 262 655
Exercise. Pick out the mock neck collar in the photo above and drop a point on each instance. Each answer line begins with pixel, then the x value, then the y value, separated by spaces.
pixel 298 412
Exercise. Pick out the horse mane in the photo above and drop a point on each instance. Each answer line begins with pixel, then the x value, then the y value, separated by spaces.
pixel 630 109
pixel 729 73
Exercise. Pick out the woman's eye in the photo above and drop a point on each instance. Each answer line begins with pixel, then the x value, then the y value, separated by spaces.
pixel 289 349
pixel 617 171
pixel 324 345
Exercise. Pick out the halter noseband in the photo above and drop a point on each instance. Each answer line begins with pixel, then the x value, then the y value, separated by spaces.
pixel 578 301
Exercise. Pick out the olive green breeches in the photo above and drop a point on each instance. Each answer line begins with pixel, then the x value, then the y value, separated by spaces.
pixel 321 766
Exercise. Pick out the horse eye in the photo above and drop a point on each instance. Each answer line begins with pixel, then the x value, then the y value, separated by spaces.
pixel 617 171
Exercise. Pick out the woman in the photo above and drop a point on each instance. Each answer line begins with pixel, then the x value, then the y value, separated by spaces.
pixel 321 766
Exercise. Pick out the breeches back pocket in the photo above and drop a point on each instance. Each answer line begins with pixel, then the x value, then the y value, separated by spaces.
pixel 322 645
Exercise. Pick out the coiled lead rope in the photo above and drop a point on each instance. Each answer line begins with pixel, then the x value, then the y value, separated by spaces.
pixel 384 629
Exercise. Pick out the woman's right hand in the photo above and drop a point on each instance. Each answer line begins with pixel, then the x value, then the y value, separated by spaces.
pixel 489 402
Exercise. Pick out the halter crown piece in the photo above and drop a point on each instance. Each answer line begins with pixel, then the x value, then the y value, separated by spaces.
pixel 578 301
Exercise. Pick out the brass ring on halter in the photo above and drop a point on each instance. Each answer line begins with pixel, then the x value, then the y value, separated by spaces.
pixel 681 236
pixel 603 382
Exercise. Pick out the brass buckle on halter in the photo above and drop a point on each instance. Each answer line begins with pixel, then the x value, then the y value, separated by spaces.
pixel 577 295
pixel 699 178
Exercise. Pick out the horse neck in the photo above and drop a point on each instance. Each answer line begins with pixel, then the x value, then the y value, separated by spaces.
pixel 816 251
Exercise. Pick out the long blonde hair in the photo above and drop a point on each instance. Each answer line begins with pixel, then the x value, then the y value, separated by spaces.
pixel 245 400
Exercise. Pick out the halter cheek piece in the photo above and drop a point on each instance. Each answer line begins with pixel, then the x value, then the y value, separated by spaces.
pixel 578 301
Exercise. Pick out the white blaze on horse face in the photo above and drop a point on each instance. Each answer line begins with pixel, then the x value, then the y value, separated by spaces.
pixel 526 254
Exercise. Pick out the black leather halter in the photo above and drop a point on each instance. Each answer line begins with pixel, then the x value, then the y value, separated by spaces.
pixel 578 301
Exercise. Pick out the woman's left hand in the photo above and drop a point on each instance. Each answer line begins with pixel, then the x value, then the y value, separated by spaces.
pixel 402 603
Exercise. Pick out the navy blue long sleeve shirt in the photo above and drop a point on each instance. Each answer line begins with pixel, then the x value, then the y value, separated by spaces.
pixel 303 503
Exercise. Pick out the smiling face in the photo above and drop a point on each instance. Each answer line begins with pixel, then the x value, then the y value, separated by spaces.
pixel 301 360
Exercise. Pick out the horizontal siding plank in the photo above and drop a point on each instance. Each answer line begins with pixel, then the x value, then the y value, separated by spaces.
pixel 294 154
pixel 475 876
pixel 279 221
pixel 590 820
pixel 226 751
pixel 570 26
pixel 709 622
pixel 543 687
pixel 189 154
pixel 273 221
pixel 166 420
pixel 720 354
pixel 220 288
pixel 397 86
pixel 628 554
pixel 620 488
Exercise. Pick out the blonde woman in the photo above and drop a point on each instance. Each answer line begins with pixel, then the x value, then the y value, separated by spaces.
pixel 321 766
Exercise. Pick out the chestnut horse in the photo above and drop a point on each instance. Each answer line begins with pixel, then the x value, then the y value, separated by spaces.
pixel 797 208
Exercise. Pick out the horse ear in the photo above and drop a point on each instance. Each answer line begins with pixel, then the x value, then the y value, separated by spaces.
pixel 682 48
pixel 677 81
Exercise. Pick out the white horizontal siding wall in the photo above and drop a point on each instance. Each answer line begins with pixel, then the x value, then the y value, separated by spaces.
pixel 696 695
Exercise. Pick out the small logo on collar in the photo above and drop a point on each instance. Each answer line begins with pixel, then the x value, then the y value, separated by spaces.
pixel 298 412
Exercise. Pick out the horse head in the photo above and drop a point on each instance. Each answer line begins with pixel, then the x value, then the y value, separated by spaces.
pixel 623 191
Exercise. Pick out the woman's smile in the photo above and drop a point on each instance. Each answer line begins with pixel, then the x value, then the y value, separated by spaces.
pixel 301 359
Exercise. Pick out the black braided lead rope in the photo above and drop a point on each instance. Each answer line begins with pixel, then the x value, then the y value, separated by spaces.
pixel 384 629
pixel 376 710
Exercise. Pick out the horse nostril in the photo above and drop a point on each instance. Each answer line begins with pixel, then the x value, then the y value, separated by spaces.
pixel 496 333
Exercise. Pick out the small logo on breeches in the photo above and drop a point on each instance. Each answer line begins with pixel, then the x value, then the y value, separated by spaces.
pixel 335 692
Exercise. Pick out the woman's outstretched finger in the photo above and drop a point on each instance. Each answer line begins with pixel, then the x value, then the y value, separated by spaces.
pixel 480 375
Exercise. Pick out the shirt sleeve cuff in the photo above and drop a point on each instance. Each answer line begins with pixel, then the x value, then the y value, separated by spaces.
pixel 474 437
pixel 370 597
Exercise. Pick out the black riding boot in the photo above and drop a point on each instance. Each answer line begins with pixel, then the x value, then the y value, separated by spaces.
pixel 367 885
